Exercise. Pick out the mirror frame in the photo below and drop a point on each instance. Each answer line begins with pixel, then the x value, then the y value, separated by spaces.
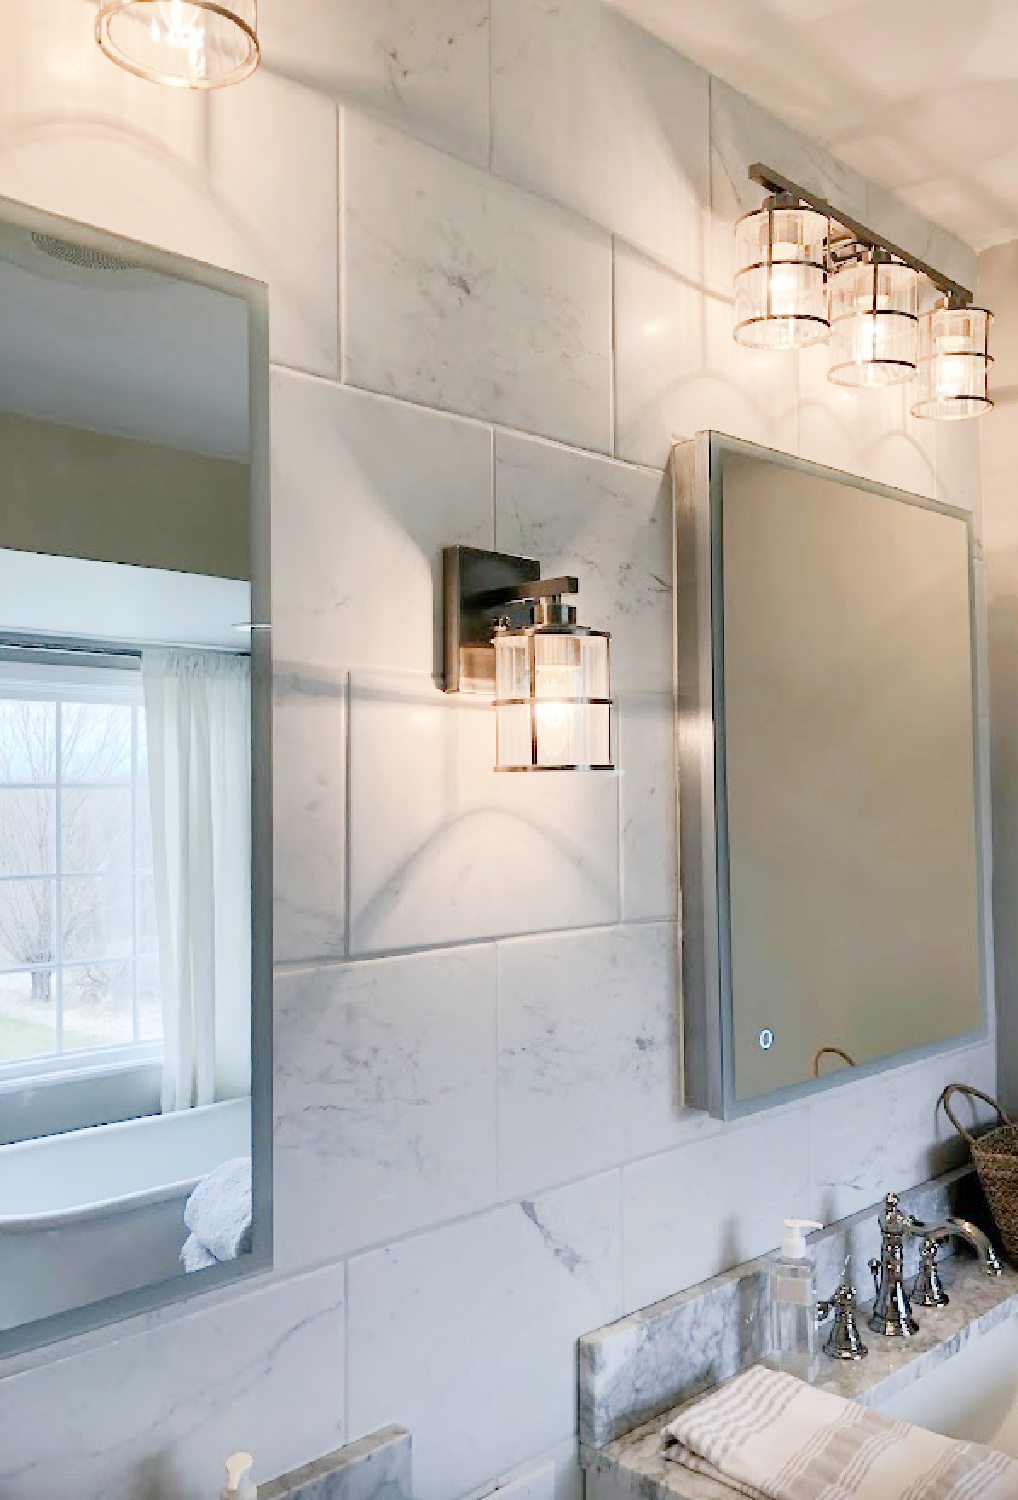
pixel 111 1310
pixel 704 926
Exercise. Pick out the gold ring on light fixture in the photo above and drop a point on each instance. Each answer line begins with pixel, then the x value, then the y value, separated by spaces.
pixel 197 44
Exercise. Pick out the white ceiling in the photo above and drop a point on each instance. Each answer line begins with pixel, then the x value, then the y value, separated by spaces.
pixel 918 95
pixel 127 352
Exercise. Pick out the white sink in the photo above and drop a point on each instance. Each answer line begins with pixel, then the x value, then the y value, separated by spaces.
pixel 973 1395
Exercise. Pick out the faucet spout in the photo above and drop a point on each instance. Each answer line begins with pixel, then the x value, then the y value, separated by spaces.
pixel 964 1229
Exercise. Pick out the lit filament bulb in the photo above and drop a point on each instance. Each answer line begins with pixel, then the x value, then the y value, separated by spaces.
pixel 182 27
pixel 554 716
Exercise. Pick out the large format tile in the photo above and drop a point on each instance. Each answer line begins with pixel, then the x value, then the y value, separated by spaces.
pixel 957 455
pixel 588 1053
pixel 155 1411
pixel 465 293
pixel 679 371
pixel 384 1099
pixel 308 812
pixel 884 1134
pixel 366 493
pixel 424 67
pixel 609 524
pixel 691 1213
pixel 444 849
pixel 471 1331
pixel 245 178
pixel 648 814
pixel 594 113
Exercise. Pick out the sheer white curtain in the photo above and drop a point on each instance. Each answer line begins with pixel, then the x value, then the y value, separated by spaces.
pixel 198 724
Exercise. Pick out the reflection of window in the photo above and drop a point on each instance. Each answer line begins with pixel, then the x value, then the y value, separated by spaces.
pixel 79 965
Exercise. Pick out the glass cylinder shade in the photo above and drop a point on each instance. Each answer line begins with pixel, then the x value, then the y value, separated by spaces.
pixel 874 323
pixel 781 280
pixel 954 363
pixel 194 44
pixel 552 700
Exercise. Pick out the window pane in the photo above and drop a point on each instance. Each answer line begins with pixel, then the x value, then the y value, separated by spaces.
pixel 150 1001
pixel 95 741
pixel 27 925
pixel 98 1006
pixel 97 916
pixel 28 821
pixel 148 934
pixel 96 829
pixel 27 740
pixel 28 1025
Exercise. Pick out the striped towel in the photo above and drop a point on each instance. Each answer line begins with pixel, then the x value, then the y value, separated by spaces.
pixel 772 1437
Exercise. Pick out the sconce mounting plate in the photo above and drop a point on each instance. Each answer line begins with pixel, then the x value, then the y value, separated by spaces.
pixel 479 590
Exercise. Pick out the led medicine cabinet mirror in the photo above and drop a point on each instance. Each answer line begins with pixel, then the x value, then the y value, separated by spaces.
pixel 135 795
pixel 831 804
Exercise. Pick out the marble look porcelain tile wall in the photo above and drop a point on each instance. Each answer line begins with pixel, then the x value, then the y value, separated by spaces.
pixel 647 810
pixel 155 1410
pixel 384 1099
pixel 309 804
pixel 587 1053
pixel 425 68
pixel 465 293
pixel 366 493
pixel 443 849
pixel 611 526
pixel 957 449
pixel 524 1280
pixel 679 371
pixel 591 112
pixel 695 1211
pixel 245 179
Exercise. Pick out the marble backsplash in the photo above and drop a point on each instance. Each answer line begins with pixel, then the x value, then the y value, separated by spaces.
pixel 643 1364
pixel 375 1468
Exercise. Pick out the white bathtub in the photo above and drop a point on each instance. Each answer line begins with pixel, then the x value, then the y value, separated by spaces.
pixel 94 1212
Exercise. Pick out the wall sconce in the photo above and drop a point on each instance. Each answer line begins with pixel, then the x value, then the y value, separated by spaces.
pixel 192 44
pixel 508 632
pixel 781 281
pixel 874 320
pixel 954 363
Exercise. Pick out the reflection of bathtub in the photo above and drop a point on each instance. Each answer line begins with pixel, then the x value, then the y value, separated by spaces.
pixel 94 1212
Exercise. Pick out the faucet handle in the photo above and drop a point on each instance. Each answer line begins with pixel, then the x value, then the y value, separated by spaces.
pixel 874 1266
pixel 928 1290
pixel 843 1341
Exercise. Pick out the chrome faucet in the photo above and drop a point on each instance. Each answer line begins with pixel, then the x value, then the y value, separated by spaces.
pixel 928 1290
pixel 892 1310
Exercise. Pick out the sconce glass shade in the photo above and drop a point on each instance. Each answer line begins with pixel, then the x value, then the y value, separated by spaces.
pixel 781 279
pixel 552 699
pixel 194 44
pixel 874 322
pixel 954 363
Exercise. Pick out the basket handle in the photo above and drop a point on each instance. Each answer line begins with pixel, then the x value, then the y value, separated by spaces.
pixel 965 1088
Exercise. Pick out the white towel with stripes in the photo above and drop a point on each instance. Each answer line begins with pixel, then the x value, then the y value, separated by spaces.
pixel 772 1437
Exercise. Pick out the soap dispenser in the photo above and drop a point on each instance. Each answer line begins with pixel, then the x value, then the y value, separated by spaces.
pixel 239 1484
pixel 792 1295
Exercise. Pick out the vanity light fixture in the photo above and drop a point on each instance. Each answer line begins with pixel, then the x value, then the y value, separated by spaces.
pixel 193 44
pixel 954 363
pixel 781 280
pixel 806 272
pixel 508 632
pixel 874 320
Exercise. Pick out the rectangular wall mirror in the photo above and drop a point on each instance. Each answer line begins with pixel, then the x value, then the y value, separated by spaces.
pixel 829 763
pixel 135 824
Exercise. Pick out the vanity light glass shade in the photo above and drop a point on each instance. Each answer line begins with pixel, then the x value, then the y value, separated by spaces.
pixel 552 699
pixel 954 363
pixel 781 280
pixel 874 322
pixel 194 44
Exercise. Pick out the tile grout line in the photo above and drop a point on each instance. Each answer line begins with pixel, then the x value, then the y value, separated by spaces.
pixel 348 817
pixel 346 1350
pixel 341 267
pixel 613 366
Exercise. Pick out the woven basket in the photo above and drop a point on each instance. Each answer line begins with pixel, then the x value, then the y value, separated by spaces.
pixel 995 1156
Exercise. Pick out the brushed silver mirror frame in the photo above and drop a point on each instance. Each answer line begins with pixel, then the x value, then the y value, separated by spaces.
pixel 705 915
pixel 112 1310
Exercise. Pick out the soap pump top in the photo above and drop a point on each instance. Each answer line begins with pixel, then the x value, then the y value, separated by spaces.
pixel 239 1484
pixel 793 1242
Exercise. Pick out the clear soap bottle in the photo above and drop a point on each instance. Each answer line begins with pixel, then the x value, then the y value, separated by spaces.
pixel 792 1297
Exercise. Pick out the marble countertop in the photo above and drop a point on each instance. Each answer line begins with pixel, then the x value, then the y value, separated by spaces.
pixel 978 1303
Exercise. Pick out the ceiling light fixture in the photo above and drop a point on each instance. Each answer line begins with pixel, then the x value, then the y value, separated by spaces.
pixel 806 271
pixel 507 630
pixel 874 320
pixel 781 280
pixel 194 44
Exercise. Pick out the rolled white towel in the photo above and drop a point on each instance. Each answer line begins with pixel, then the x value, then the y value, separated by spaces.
pixel 769 1436
pixel 195 1257
pixel 218 1212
